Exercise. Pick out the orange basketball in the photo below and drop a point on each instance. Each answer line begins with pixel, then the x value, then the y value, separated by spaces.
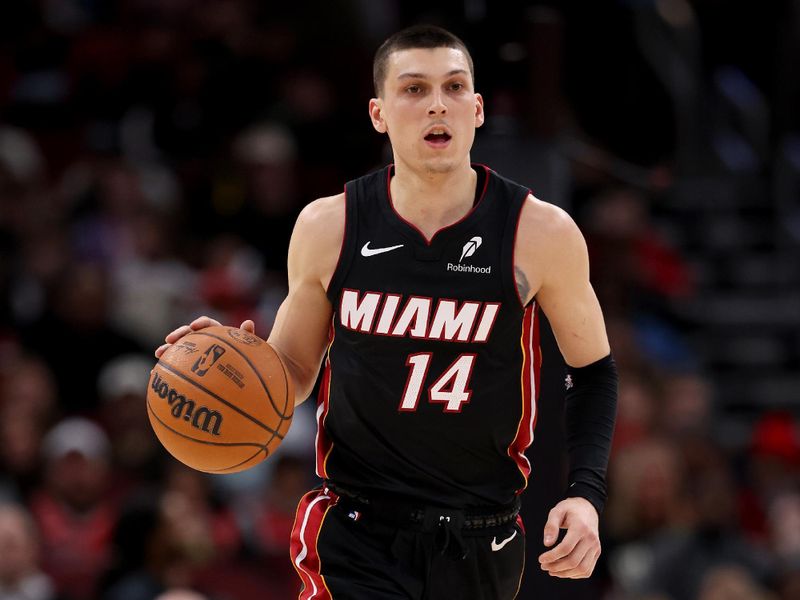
pixel 220 400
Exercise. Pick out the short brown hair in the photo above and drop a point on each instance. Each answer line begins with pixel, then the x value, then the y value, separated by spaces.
pixel 417 36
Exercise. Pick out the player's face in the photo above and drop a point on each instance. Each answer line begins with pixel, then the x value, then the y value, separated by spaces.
pixel 428 108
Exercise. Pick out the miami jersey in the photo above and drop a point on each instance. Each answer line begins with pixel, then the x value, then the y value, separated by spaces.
pixel 431 374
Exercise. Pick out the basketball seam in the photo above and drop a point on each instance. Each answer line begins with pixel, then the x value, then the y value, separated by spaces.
pixel 216 397
pixel 264 449
pixel 199 441
pixel 236 466
pixel 279 412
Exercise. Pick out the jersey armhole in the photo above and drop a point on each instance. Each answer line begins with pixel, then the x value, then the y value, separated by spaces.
pixel 346 250
pixel 510 244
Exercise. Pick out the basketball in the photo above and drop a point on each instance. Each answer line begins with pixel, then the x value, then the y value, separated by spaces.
pixel 220 400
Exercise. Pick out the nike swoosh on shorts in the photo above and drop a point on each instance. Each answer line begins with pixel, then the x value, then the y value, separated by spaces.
pixel 367 251
pixel 496 546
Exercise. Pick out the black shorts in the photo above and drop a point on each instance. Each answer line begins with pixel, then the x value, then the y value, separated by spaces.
pixel 343 553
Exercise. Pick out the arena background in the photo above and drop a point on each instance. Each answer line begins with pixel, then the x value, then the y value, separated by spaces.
pixel 155 153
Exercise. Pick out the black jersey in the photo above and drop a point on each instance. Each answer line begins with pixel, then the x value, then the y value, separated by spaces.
pixel 431 375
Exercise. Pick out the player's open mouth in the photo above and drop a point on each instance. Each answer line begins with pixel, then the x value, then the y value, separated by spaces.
pixel 438 138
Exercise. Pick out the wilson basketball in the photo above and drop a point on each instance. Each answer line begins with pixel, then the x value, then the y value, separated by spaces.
pixel 220 400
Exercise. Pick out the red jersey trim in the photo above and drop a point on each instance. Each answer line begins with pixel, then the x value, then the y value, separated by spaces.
pixel 322 442
pixel 529 387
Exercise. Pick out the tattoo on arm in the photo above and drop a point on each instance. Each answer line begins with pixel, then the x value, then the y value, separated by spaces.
pixel 523 287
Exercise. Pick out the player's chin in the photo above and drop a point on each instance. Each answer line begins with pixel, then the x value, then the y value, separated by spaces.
pixel 440 164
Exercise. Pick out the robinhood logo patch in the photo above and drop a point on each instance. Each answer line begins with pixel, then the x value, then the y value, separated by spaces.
pixel 468 250
pixel 470 247
pixel 201 418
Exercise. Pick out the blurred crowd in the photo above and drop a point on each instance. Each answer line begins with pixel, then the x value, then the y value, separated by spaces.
pixel 153 158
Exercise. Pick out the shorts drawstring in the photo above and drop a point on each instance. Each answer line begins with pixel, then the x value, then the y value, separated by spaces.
pixel 447 539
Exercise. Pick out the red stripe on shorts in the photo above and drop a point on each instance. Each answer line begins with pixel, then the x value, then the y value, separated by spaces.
pixel 303 545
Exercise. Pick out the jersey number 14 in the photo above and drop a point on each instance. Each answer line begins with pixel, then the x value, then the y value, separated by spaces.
pixel 451 388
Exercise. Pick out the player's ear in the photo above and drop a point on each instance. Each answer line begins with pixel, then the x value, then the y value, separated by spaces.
pixel 479 115
pixel 376 115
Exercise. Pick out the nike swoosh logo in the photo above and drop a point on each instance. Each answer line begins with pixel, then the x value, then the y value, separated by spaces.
pixel 496 546
pixel 367 251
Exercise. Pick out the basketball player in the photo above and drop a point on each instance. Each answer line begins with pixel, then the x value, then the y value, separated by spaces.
pixel 420 287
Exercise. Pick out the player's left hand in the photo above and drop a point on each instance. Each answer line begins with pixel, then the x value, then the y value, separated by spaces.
pixel 577 554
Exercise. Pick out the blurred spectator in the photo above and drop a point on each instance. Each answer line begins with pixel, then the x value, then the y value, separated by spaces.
pixel 150 555
pixel 75 337
pixel 731 583
pixel 206 531
pixel 783 520
pixel 232 279
pixel 687 405
pixel 21 577
pixel 682 558
pixel 273 524
pixel 773 468
pixel 28 404
pixel 20 156
pixel 103 232
pixel 22 171
pixel 74 508
pixel 28 386
pixel 152 289
pixel 637 408
pixel 645 483
pixel 645 480
pixel 638 276
pixel 259 197
pixel 140 552
pixel 122 386
pixel 205 526
pixel 787 584
pixel 634 268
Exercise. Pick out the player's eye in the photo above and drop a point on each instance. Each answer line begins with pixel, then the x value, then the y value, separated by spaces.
pixel 457 86
pixel 413 89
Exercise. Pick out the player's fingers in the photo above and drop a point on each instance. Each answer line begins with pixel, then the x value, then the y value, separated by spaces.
pixel 161 349
pixel 551 528
pixel 248 325
pixel 203 322
pixel 566 546
pixel 570 562
pixel 176 334
pixel 584 569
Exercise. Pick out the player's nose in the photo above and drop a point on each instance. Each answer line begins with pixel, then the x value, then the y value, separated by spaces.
pixel 437 106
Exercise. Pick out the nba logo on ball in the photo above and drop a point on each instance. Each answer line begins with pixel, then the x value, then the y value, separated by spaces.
pixel 215 375
pixel 205 362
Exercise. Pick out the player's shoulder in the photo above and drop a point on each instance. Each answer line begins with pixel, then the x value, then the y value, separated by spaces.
pixel 547 222
pixel 548 242
pixel 321 212
pixel 322 217
pixel 320 227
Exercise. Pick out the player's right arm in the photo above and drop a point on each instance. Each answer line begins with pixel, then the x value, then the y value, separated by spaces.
pixel 300 332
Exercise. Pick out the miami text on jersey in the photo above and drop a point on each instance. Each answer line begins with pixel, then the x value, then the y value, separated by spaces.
pixel 381 313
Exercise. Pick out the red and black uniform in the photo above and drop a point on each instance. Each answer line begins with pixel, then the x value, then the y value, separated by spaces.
pixel 426 406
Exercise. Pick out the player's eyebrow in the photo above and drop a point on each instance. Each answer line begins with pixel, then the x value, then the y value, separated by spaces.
pixel 423 76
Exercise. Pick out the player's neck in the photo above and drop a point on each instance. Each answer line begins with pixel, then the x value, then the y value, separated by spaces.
pixel 433 200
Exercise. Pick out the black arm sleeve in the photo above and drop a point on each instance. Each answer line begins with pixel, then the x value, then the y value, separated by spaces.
pixel 590 413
